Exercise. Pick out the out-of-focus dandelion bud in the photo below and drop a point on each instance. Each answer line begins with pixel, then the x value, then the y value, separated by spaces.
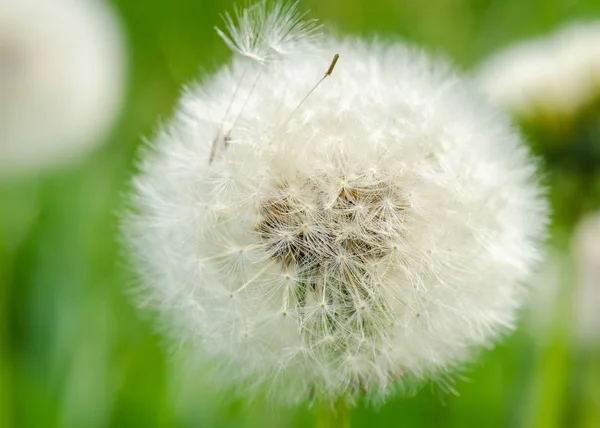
pixel 327 240
pixel 62 71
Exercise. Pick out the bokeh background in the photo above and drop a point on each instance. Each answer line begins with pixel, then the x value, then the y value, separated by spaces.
pixel 74 352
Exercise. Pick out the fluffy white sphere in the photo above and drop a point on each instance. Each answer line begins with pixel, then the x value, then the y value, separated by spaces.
pixel 378 232
pixel 552 75
pixel 62 69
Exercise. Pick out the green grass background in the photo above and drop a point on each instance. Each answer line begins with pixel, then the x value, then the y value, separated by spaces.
pixel 75 353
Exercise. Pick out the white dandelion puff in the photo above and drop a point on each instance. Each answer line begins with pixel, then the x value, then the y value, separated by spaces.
pixel 553 75
pixel 62 69
pixel 377 231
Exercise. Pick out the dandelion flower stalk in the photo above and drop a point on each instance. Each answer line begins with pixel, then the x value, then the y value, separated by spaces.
pixel 337 416
pixel 356 238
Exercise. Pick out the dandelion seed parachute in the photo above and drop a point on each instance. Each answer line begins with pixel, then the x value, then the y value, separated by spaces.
pixel 380 232
pixel 62 68
pixel 267 31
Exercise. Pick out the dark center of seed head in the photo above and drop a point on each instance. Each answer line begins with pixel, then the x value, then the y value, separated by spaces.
pixel 308 230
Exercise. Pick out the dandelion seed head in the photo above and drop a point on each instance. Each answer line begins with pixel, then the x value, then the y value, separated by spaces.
pixel 389 222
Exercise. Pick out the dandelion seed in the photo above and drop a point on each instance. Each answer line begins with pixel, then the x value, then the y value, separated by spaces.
pixel 267 30
pixel 374 263
pixel 263 32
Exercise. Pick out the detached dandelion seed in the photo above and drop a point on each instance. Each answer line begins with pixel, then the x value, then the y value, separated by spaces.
pixel 372 234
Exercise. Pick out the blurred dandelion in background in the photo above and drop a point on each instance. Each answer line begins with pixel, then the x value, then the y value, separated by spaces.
pixel 62 75
pixel 551 86
pixel 322 242
pixel 553 75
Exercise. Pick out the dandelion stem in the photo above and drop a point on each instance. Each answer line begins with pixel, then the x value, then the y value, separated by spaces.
pixel 5 373
pixel 217 140
pixel 333 416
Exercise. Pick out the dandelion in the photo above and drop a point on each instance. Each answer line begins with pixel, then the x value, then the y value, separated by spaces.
pixel 343 219
pixel 61 80
pixel 554 75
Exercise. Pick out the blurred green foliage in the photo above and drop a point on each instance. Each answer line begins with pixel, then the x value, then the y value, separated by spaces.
pixel 75 353
pixel 570 147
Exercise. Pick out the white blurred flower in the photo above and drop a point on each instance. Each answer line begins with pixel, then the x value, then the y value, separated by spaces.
pixel 553 75
pixel 379 231
pixel 61 80
pixel 586 253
